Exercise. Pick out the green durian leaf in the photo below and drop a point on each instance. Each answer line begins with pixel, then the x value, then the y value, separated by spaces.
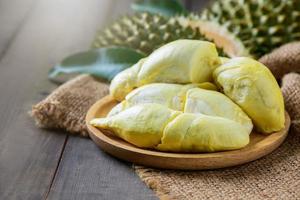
pixel 103 63
pixel 163 7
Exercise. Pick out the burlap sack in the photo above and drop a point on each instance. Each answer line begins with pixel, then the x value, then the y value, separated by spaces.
pixel 65 107
pixel 283 60
pixel 291 92
pixel 276 176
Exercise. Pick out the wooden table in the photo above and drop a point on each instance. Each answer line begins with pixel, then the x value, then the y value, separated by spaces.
pixel 43 164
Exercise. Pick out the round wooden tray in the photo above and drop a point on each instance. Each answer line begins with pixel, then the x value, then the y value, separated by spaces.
pixel 259 146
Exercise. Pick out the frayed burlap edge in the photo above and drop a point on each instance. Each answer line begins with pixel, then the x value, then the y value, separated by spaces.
pixel 47 113
pixel 66 106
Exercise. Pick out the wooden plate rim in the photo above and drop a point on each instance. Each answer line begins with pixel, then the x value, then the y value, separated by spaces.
pixel 119 150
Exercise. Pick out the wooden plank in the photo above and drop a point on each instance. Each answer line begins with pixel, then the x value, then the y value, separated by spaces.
pixel 29 156
pixel 21 147
pixel 86 172
pixel 16 139
pixel 29 159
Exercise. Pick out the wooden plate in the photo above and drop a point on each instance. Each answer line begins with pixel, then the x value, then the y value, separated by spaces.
pixel 259 146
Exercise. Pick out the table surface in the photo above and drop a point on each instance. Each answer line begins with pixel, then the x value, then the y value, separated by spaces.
pixel 45 164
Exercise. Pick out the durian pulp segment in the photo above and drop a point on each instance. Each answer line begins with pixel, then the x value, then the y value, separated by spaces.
pixel 181 61
pixel 155 126
pixel 141 125
pixel 224 60
pixel 190 132
pixel 252 86
pixel 208 86
pixel 187 98
pixel 214 103
pixel 169 95
pixel 125 81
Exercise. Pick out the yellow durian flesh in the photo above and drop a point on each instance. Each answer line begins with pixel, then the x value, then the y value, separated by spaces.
pixel 155 126
pixel 214 103
pixel 252 86
pixel 181 61
pixel 190 132
pixel 141 125
pixel 125 81
pixel 208 86
pixel 169 95
pixel 117 108
pixel 188 98
pixel 224 60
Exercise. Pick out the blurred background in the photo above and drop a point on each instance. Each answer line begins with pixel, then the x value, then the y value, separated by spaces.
pixel 63 26
pixel 14 13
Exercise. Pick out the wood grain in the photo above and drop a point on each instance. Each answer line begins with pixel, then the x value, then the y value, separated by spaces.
pixel 86 172
pixel 259 146
pixel 28 156
pixel 40 35
pixel 35 163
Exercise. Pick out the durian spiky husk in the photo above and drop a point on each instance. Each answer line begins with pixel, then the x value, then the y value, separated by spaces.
pixel 223 39
pixel 253 27
pixel 145 32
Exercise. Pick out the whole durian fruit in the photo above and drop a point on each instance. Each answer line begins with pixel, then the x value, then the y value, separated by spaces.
pixel 145 32
pixel 250 27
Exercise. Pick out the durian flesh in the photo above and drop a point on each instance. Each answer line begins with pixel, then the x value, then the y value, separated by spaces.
pixel 156 126
pixel 187 98
pixel 213 103
pixel 173 117
pixel 252 86
pixel 124 82
pixel 190 132
pixel 181 61
pixel 169 95
pixel 141 125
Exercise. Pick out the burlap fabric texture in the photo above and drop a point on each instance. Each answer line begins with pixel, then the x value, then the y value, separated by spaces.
pixel 65 107
pixel 283 60
pixel 276 176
